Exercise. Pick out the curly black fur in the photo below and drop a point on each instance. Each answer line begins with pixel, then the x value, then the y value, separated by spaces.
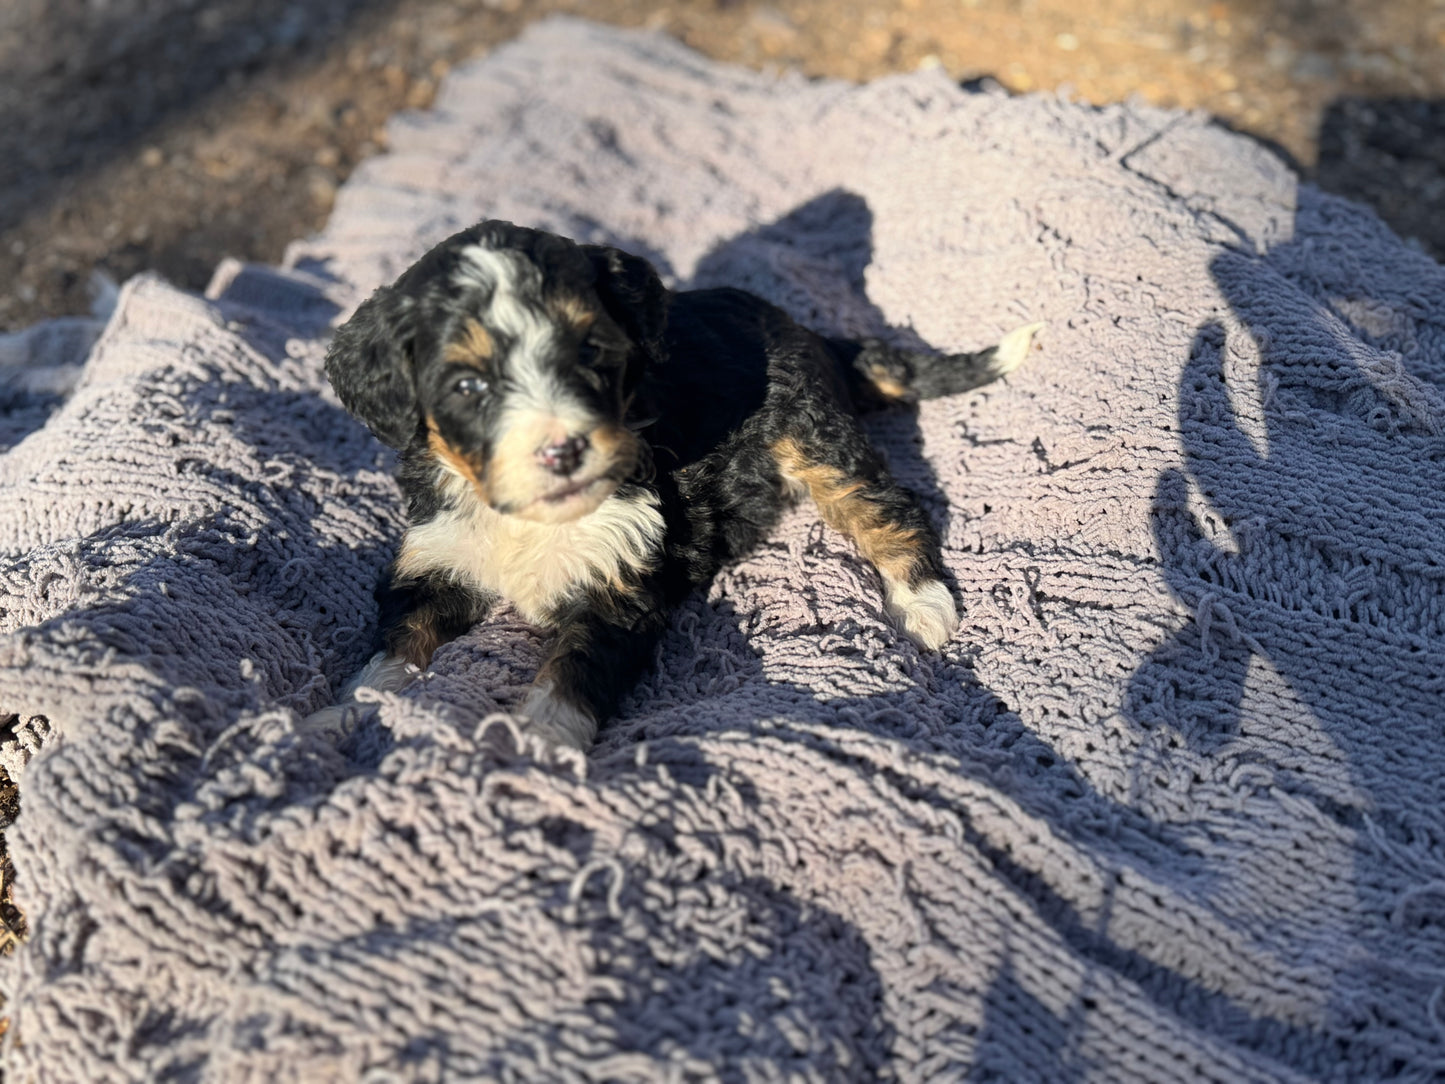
pixel 701 414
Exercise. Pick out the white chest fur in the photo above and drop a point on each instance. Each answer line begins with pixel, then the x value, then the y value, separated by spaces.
pixel 534 565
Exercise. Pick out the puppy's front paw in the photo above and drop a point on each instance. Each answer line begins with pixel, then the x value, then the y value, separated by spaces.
pixel 387 673
pixel 554 718
pixel 925 612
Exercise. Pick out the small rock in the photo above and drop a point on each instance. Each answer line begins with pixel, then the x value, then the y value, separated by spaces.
pixel 152 158
pixel 420 94
pixel 774 30
pixel 1279 56
pixel 1314 66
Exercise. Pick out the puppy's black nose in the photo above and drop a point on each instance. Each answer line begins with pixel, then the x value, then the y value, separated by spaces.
pixel 563 458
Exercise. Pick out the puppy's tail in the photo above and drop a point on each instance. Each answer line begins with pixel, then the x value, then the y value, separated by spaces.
pixel 879 374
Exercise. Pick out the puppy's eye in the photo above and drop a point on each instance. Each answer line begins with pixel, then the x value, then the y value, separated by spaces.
pixel 587 354
pixel 469 386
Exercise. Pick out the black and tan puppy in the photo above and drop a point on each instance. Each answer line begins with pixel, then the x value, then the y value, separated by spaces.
pixel 590 447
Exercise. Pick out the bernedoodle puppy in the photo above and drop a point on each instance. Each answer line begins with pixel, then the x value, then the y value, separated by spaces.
pixel 590 447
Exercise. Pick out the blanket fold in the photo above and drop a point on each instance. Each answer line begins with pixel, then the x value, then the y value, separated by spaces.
pixel 1171 806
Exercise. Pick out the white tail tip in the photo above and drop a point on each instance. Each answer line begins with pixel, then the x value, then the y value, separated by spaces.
pixel 1013 348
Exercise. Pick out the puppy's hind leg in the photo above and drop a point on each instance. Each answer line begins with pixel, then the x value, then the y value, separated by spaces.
pixel 856 496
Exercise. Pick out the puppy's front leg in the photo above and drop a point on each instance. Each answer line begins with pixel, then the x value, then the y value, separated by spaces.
pixel 605 640
pixel 420 613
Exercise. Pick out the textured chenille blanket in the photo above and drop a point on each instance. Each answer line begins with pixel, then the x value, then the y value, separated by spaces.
pixel 1170 806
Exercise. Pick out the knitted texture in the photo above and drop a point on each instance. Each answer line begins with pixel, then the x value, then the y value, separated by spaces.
pixel 1171 806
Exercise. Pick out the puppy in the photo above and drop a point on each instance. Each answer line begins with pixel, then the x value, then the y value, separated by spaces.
pixel 583 443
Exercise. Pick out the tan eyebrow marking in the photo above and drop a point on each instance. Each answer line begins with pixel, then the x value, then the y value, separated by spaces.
pixel 573 310
pixel 475 347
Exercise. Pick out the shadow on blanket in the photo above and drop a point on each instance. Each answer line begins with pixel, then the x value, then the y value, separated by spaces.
pixel 1297 530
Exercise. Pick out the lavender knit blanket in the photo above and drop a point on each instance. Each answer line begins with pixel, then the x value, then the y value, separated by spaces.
pixel 1171 806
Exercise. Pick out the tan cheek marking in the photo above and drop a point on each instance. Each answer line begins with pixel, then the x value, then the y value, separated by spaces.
pixel 616 445
pixel 454 460
pixel 474 348
pixel 895 551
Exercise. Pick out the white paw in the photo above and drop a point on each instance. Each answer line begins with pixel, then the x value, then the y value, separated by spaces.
pixel 926 612
pixel 553 718
pixel 1013 348
pixel 387 673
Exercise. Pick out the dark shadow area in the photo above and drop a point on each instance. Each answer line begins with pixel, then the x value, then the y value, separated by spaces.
pixel 813 262
pixel 1390 154
pixel 806 971
pixel 1319 551
pixel 995 747
pixel 1017 1027
pixel 84 82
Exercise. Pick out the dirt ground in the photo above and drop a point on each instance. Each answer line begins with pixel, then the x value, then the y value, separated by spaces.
pixel 166 134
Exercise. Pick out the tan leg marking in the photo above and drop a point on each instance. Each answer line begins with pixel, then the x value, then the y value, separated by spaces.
pixel 887 385
pixel 895 551
pixel 924 610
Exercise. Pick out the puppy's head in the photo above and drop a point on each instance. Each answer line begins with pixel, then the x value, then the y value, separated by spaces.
pixel 513 354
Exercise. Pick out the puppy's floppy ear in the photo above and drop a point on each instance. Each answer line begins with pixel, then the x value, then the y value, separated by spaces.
pixel 369 364
pixel 633 294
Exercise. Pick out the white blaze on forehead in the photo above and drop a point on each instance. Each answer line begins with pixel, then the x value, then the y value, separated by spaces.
pixel 515 310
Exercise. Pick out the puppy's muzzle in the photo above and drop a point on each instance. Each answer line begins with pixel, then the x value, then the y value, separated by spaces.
pixel 564 457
